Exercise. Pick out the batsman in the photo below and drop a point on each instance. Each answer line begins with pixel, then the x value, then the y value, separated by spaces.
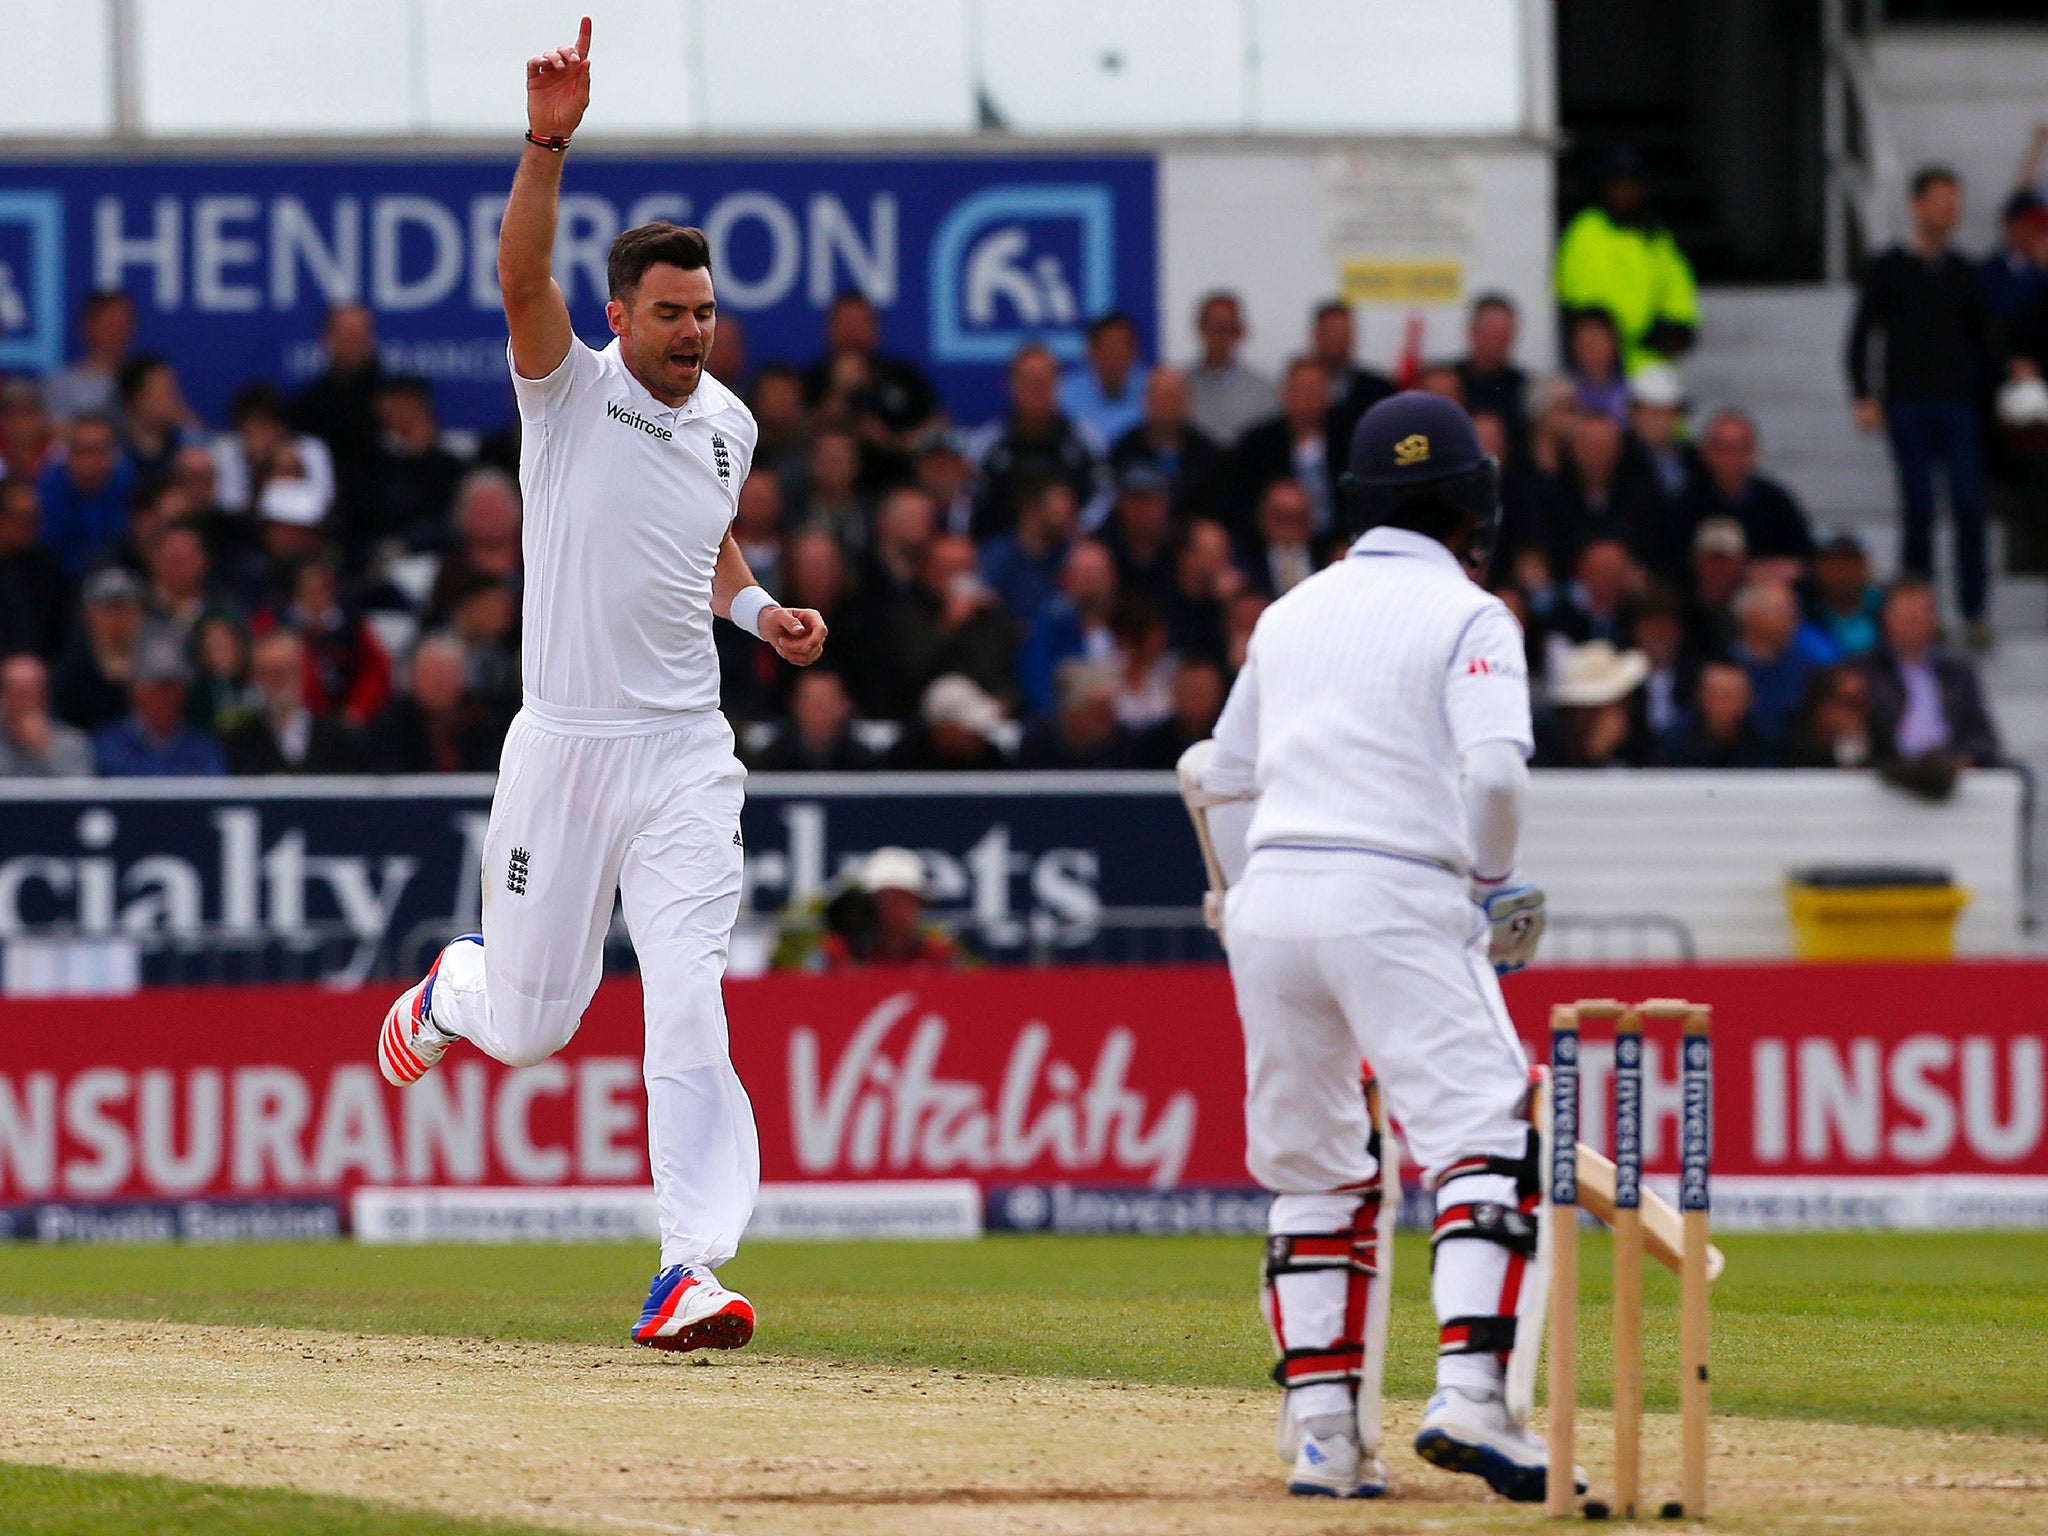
pixel 1378 737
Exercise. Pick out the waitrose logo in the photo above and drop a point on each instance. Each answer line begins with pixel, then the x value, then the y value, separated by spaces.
pixel 633 418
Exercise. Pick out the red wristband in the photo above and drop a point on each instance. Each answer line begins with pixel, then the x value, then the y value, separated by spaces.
pixel 547 141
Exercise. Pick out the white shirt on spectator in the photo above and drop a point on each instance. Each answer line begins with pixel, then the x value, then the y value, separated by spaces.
pixel 1923 727
pixel 233 486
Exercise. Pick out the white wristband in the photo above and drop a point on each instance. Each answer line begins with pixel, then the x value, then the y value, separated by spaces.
pixel 747 608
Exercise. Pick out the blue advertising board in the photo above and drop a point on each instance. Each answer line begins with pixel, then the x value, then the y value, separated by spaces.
pixel 232 262
pixel 265 879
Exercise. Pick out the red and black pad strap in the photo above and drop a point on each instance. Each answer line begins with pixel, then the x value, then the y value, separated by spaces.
pixel 1485 1221
pixel 1476 1336
pixel 1342 1361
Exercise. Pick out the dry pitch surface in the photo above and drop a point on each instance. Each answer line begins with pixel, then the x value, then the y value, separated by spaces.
pixel 618 1439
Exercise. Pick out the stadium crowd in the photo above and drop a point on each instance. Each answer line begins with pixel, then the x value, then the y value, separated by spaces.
pixel 330 583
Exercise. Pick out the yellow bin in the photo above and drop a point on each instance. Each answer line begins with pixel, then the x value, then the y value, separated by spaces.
pixel 1875 913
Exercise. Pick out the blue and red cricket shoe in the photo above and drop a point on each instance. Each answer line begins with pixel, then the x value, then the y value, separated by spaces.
pixel 688 1309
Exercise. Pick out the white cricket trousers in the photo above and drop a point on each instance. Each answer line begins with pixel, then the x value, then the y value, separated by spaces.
pixel 1337 956
pixel 591 804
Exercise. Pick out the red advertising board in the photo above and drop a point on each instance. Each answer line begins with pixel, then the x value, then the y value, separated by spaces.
pixel 1125 1078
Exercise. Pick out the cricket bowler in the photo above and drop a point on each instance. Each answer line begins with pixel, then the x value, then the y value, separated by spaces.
pixel 618 775
pixel 1380 732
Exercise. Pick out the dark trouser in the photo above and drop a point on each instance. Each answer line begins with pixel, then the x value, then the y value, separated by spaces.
pixel 1924 432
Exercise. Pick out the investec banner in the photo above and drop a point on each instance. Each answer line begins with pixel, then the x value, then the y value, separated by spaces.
pixel 233 261
pixel 1079 1098
pixel 390 865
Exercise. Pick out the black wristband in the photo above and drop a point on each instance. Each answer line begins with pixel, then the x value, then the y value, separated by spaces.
pixel 547 141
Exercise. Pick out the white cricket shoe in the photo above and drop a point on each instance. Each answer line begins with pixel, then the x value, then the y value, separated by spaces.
pixel 1464 1431
pixel 1329 1464
pixel 409 1045
pixel 687 1308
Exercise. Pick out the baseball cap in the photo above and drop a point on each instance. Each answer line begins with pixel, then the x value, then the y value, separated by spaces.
pixel 1720 536
pixel 894 869
pixel 957 700
pixel 2025 204
pixel 114 584
pixel 1657 384
pixel 161 660
pixel 297 502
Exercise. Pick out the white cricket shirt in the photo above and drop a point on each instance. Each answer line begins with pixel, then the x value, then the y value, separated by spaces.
pixel 627 503
pixel 1361 691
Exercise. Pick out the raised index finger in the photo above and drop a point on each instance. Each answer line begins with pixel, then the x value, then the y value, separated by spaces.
pixel 583 40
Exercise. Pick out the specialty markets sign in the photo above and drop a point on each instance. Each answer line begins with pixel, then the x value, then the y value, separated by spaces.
pixel 233 262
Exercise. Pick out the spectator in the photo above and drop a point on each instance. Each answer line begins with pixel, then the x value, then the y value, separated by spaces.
pixel 180 595
pixel 1198 691
pixel 1656 627
pixel 1165 438
pixel 2015 277
pixel 904 530
pixel 1105 395
pixel 1593 355
pixel 757 525
pixel 1521 493
pixel 339 406
pixel 1144 666
pixel 1553 412
pixel 728 360
pixel 949 622
pixel 884 922
pixel 1240 617
pixel 35 594
pixel 1083 731
pixel 1617 257
pixel 1593 718
pixel 154 741
pixel 1023 567
pixel 484 620
pixel 222 696
pixel 1927 305
pixel 435 727
pixel 1227 396
pixel 1656 421
pixel 1333 342
pixel 1488 373
pixel 942 471
pixel 283 736
pixel 1720 561
pixel 347 671
pixel 263 449
pixel 1295 445
pixel 1923 700
pixel 1205 577
pixel 832 500
pixel 486 541
pixel 1595 605
pixel 817 579
pixel 1033 440
pixel 85 495
pixel 91 682
pixel 956 729
pixel 872 385
pixel 153 415
pixel 1778 653
pixel 1432 379
pixel 1774 527
pixel 1592 498
pixel 816 737
pixel 784 444
pixel 1846 602
pixel 1139 533
pixel 1833 728
pixel 1282 556
pixel 90 386
pixel 288 531
pixel 33 745
pixel 1074 624
pixel 28 441
pixel 412 481
pixel 1717 731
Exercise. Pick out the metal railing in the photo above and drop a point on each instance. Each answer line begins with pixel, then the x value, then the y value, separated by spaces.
pixel 1863 179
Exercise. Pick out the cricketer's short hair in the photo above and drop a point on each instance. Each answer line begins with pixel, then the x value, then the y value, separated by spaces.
pixel 648 245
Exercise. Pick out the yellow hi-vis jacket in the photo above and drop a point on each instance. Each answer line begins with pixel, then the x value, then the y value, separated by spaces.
pixel 1638 275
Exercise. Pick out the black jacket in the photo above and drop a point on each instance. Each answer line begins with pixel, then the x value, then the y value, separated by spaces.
pixel 1971 733
pixel 1935 326
pixel 252 748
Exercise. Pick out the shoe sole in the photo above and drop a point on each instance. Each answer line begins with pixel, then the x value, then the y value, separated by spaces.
pixel 730 1328
pixel 1318 1491
pixel 1523 1485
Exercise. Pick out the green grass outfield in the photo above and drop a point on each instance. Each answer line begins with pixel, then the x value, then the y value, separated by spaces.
pixel 1928 1330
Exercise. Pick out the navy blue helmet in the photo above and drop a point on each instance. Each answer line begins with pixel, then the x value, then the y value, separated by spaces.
pixel 1416 463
